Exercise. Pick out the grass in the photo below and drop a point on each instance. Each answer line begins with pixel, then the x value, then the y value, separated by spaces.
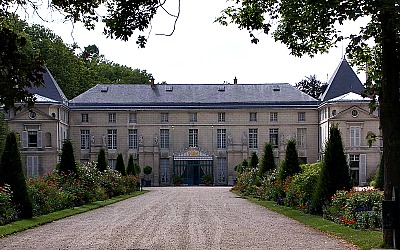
pixel 22 225
pixel 364 239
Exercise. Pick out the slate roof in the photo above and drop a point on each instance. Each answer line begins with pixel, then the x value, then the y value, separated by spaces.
pixel 50 90
pixel 350 97
pixel 177 96
pixel 343 81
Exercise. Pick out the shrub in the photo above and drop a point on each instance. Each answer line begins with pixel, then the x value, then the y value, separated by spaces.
pixel 253 160
pixel 138 169
pixel 47 196
pixel 207 179
pixel 291 166
pixel 177 180
pixel 101 160
pixel 147 170
pixel 11 173
pixel 8 212
pixel 300 189
pixel 379 178
pixel 120 166
pixel 130 170
pixel 335 174
pixel 357 209
pixel 67 162
pixel 267 160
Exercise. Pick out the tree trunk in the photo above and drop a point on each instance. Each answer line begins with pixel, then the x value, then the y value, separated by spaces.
pixel 390 106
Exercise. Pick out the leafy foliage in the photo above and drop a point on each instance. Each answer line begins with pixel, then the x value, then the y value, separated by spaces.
pixel 3 132
pixel 8 212
pixel 357 209
pixel 21 68
pixel 267 160
pixel 130 170
pixel 147 170
pixel 291 166
pixel 119 165
pixel 101 160
pixel 335 173
pixel 253 160
pixel 67 162
pixel 379 178
pixel 11 173
pixel 311 86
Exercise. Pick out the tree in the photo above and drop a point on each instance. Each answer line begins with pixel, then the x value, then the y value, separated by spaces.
pixel 20 68
pixel 335 173
pixel 379 178
pixel 267 160
pixel 311 86
pixel 138 169
pixel 291 166
pixel 67 162
pixel 253 160
pixel 11 172
pixel 101 160
pixel 3 132
pixel 130 170
pixel 119 165
pixel 311 27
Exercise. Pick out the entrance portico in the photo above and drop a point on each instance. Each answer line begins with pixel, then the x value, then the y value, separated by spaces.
pixel 192 164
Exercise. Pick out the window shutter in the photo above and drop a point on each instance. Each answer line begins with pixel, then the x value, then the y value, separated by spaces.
pixel 24 139
pixel 363 169
pixel 35 166
pixel 28 166
pixel 39 139
pixel 348 160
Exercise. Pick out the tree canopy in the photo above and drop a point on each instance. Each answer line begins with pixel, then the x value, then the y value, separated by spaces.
pixel 311 86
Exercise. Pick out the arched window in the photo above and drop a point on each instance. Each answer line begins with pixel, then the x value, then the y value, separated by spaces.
pixel 47 140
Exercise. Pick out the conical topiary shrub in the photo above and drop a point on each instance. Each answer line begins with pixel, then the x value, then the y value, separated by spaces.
pixel 11 172
pixel 119 165
pixel 335 174
pixel 130 170
pixel 267 160
pixel 67 162
pixel 101 160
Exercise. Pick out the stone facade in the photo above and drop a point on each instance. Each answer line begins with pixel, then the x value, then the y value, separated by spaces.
pixel 196 130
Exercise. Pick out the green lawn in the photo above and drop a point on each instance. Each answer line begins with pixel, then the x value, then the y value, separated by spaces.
pixel 21 225
pixel 364 239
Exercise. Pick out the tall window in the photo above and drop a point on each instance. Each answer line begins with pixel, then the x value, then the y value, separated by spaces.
pixel 193 117
pixel 253 116
pixel 301 137
pixel 222 167
pixel 85 117
pixel 354 136
pixel 301 116
pixel 132 117
pixel 85 139
pixel 132 139
pixel 164 138
pixel 253 138
pixel 32 139
pixel 111 163
pixel 164 171
pixel 164 117
pixel 32 166
pixel 273 116
pixel 221 138
pixel 193 138
pixel 221 117
pixel 112 139
pixel 355 169
pixel 273 137
pixel 112 117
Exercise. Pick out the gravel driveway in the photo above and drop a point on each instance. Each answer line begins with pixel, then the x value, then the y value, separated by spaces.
pixel 176 218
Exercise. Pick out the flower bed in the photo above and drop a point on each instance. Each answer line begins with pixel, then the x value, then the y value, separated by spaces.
pixel 55 192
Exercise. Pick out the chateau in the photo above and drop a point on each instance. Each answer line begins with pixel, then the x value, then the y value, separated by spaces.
pixel 191 130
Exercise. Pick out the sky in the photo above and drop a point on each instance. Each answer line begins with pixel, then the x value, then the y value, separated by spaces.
pixel 201 51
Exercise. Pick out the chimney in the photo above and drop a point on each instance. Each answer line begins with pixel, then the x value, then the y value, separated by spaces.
pixel 235 80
